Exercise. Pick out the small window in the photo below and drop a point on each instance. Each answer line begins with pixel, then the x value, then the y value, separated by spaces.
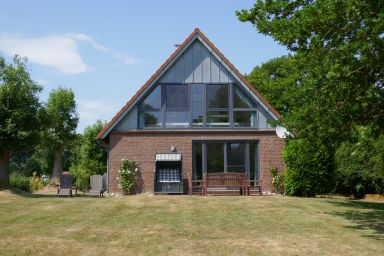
pixel 217 96
pixel 176 119
pixel 244 119
pixel 217 119
pixel 241 100
pixel 150 119
pixel 153 100
pixel 177 96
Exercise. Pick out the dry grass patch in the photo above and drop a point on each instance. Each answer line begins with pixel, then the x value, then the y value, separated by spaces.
pixel 183 225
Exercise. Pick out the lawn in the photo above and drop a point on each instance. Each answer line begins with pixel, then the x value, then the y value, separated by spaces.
pixel 183 225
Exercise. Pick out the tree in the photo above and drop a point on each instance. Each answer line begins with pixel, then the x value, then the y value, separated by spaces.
pixel 337 48
pixel 62 120
pixel 92 157
pixel 20 110
pixel 340 46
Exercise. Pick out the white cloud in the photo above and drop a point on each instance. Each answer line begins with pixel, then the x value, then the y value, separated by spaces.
pixel 126 59
pixel 92 109
pixel 87 39
pixel 58 51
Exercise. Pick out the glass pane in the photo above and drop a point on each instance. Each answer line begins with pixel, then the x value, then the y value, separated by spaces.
pixel 240 169
pixel 197 119
pixel 197 161
pixel 151 119
pixel 236 154
pixel 177 96
pixel 197 91
pixel 176 119
pixel 217 96
pixel 215 157
pixel 241 100
pixel 253 161
pixel 217 119
pixel 244 118
pixel 153 100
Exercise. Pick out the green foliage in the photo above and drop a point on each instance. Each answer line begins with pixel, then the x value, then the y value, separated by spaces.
pixel 308 170
pixel 19 181
pixel 20 108
pixel 277 180
pixel 62 116
pixel 276 80
pixel 89 157
pixel 332 81
pixel 127 175
pixel 359 164
pixel 35 182
pixel 81 175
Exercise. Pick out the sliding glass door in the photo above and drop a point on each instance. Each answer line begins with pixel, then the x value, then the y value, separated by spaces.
pixel 225 156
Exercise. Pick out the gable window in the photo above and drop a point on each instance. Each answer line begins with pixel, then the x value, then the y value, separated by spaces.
pixel 244 109
pixel 217 105
pixel 217 96
pixel 185 106
pixel 197 102
pixel 176 96
pixel 150 115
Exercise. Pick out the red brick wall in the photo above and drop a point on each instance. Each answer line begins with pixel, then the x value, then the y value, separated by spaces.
pixel 142 147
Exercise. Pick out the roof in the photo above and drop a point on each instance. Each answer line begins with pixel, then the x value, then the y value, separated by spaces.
pixel 107 129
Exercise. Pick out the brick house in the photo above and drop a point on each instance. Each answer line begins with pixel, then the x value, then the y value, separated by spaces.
pixel 197 114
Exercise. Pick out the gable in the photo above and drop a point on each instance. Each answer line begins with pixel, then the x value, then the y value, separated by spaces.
pixel 196 61
pixel 197 65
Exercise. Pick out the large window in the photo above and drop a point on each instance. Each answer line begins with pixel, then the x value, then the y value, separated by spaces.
pixel 215 157
pixel 176 96
pixel 189 106
pixel 236 157
pixel 228 156
pixel 176 119
pixel 197 100
pixel 217 96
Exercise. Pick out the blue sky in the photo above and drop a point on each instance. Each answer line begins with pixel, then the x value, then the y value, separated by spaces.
pixel 106 50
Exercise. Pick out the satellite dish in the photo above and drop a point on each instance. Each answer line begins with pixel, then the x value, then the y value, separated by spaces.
pixel 281 132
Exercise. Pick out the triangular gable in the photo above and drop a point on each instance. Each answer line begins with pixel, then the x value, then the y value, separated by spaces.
pixel 227 73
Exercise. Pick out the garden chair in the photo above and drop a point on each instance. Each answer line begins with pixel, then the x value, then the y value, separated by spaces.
pixel 253 187
pixel 196 187
pixel 65 187
pixel 97 186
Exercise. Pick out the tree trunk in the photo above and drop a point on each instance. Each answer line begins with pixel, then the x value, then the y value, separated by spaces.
pixel 5 156
pixel 57 164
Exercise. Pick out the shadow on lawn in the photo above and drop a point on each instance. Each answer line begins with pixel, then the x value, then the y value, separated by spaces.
pixel 22 193
pixel 363 215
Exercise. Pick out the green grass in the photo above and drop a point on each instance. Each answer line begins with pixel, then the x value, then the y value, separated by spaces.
pixel 183 225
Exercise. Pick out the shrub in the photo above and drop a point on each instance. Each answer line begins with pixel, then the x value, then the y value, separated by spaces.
pixel 127 175
pixel 360 165
pixel 81 174
pixel 308 169
pixel 19 181
pixel 35 182
pixel 277 180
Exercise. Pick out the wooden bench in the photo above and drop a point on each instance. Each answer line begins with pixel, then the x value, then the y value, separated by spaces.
pixel 225 183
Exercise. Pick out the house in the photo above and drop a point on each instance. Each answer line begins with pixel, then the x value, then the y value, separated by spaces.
pixel 196 114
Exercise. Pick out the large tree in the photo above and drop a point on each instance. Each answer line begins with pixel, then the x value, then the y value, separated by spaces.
pixel 340 47
pixel 333 80
pixel 62 119
pixel 19 112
